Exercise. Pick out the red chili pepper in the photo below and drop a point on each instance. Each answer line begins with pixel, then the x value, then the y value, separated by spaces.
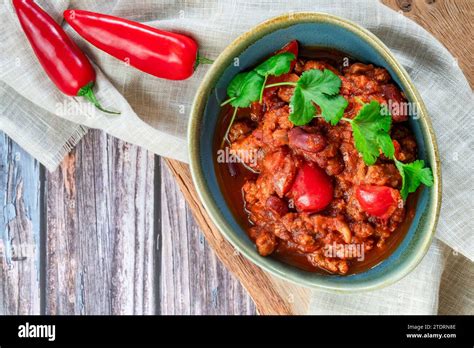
pixel 157 52
pixel 61 58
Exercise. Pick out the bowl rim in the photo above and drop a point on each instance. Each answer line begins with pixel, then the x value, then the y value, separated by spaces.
pixel 197 113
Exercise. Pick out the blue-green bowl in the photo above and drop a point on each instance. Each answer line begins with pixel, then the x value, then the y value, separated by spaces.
pixel 310 29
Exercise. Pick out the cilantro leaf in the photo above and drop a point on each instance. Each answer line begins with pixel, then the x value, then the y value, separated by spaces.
pixel 413 174
pixel 320 87
pixel 302 109
pixel 245 89
pixel 315 81
pixel 371 129
pixel 276 65
pixel 332 107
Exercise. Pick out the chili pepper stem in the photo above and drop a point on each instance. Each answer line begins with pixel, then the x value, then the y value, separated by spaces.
pixel 202 60
pixel 88 93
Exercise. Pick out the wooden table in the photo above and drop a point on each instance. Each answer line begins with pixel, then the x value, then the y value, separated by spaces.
pixel 110 232
pixel 107 233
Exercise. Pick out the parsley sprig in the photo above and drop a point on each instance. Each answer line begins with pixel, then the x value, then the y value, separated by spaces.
pixel 321 88
pixel 244 89
pixel 247 87
pixel 413 174
pixel 370 129
pixel 277 65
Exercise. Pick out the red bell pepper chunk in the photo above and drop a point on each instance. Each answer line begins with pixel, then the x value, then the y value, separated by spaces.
pixel 312 189
pixel 379 201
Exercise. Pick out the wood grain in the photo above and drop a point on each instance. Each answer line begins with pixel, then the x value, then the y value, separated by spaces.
pixel 121 240
pixel 100 230
pixel 19 230
pixel 449 21
pixel 193 281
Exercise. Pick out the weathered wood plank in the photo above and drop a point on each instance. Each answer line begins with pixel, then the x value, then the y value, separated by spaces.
pixel 450 21
pixel 19 230
pixel 193 281
pixel 100 230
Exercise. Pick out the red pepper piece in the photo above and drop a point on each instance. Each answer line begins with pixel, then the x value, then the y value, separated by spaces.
pixel 157 52
pixel 312 189
pixel 66 65
pixel 379 201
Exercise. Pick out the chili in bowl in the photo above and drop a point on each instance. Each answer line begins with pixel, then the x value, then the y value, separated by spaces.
pixel 314 154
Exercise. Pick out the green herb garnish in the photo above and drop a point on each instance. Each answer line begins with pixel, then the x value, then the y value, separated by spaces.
pixel 276 65
pixel 371 130
pixel 242 90
pixel 413 174
pixel 245 89
pixel 322 88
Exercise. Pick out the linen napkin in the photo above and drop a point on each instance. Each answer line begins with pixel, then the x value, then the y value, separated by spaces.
pixel 48 124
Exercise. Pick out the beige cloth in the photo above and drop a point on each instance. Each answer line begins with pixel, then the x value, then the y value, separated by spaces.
pixel 155 112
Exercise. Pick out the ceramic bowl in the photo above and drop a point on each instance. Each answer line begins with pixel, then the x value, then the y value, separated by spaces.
pixel 310 29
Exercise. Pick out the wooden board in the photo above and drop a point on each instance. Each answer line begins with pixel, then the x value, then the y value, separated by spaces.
pixel 449 22
pixel 110 232
pixel 120 239
pixel 19 231
pixel 100 245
